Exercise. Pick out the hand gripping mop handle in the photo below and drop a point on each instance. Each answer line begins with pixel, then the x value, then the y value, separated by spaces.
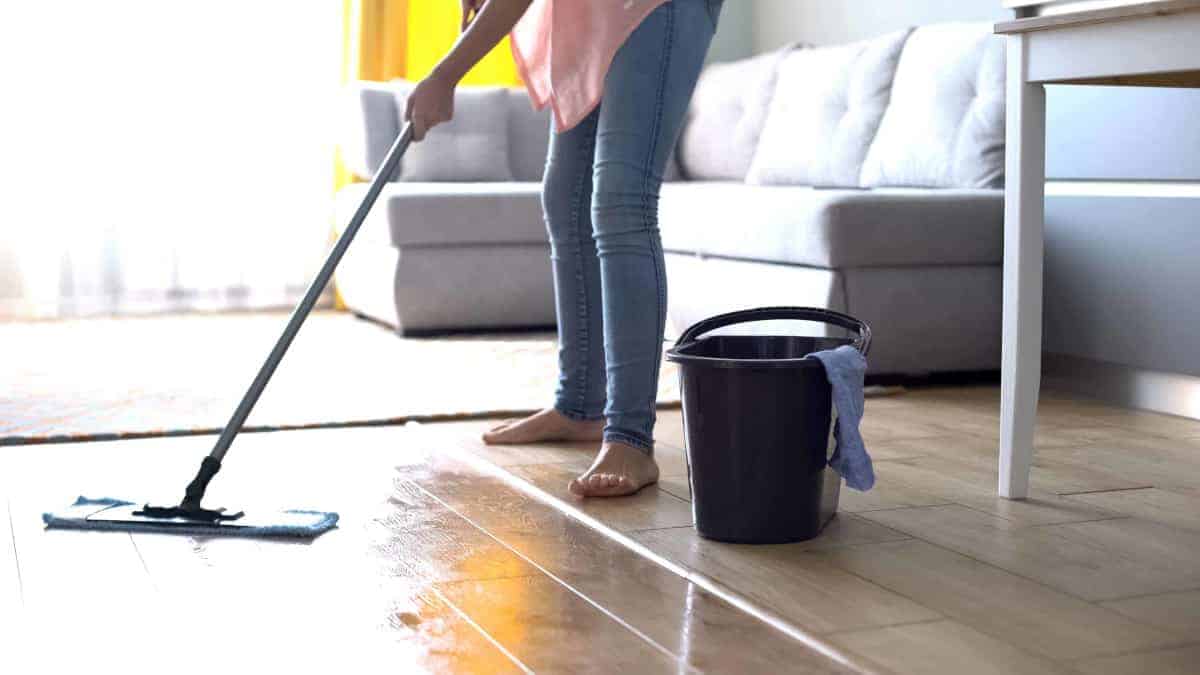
pixel 212 463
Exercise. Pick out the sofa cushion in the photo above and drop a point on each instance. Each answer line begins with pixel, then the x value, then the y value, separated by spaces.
pixel 825 111
pixel 473 146
pixel 944 126
pixel 528 136
pixel 726 117
pixel 833 228
pixel 433 214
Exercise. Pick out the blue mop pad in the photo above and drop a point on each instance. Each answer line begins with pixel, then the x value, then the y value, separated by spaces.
pixel 106 514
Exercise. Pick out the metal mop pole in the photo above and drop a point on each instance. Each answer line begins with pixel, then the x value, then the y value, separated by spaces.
pixel 212 463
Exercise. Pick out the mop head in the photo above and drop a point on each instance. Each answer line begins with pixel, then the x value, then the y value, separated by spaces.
pixel 116 515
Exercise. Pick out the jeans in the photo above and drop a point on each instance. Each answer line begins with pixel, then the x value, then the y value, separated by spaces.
pixel 600 197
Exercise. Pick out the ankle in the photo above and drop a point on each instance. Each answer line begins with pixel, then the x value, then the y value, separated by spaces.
pixel 628 443
pixel 572 417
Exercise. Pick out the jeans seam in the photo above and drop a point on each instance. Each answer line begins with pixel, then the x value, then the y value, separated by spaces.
pixel 656 251
pixel 658 104
pixel 582 339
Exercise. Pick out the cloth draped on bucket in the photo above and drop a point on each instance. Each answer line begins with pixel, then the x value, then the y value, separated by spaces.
pixel 563 49
pixel 846 368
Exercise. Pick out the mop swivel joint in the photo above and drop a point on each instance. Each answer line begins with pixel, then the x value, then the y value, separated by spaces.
pixel 189 508
pixel 199 485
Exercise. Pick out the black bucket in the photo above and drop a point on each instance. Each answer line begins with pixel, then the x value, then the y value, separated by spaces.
pixel 758 421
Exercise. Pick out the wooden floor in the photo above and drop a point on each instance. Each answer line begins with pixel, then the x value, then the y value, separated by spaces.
pixel 456 557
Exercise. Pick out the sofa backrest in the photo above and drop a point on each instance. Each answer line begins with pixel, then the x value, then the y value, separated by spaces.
pixel 368 125
pixel 917 108
pixel 826 108
pixel 726 116
pixel 944 126
pixel 371 120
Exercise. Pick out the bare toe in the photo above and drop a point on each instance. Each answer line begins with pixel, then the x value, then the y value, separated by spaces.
pixel 576 487
pixel 617 471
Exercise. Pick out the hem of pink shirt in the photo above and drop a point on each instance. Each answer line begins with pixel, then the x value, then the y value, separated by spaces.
pixel 562 124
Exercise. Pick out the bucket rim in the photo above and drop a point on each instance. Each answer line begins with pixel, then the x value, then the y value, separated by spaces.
pixel 696 332
pixel 806 362
pixel 725 362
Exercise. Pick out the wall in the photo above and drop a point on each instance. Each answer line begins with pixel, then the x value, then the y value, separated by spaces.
pixel 1123 227
pixel 735 31
pixel 778 22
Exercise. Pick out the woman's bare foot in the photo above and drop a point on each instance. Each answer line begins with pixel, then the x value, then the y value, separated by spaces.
pixel 547 425
pixel 618 470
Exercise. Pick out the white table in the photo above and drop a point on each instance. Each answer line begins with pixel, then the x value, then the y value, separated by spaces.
pixel 1153 44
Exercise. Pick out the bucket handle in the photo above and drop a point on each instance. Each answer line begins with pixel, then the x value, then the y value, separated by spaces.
pixel 862 342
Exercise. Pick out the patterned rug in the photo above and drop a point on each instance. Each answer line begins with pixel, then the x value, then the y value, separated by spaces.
pixel 103 379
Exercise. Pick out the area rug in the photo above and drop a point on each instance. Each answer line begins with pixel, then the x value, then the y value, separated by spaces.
pixel 104 379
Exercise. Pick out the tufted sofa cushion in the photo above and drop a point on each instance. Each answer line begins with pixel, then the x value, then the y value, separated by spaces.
pixel 726 117
pixel 472 146
pixel 825 112
pixel 944 126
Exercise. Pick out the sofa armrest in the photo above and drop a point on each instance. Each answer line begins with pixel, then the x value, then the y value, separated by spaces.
pixel 370 122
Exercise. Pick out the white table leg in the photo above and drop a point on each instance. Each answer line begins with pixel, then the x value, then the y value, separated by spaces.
pixel 1021 360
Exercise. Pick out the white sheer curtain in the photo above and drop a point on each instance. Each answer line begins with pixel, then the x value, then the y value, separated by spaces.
pixel 160 155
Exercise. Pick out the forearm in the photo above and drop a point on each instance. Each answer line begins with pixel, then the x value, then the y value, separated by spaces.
pixel 493 22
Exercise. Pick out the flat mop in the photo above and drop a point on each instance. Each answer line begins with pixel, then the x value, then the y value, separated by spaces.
pixel 189 517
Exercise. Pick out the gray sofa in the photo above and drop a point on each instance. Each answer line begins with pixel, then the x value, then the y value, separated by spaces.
pixel 865 178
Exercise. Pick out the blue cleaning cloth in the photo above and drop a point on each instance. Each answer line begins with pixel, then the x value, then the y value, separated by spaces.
pixel 845 368
pixel 292 523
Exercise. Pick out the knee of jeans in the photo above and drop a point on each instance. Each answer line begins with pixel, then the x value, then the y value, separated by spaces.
pixel 624 201
pixel 555 205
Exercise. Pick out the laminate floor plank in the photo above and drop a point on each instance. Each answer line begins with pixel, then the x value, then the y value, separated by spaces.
pixel 1016 610
pixel 551 629
pixel 1166 556
pixel 930 480
pixel 790 580
pixel 1099 560
pixel 1176 507
pixel 1147 462
pixel 10 577
pixel 1176 612
pixel 1178 661
pixel 948 647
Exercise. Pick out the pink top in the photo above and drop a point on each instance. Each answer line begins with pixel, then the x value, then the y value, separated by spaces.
pixel 563 49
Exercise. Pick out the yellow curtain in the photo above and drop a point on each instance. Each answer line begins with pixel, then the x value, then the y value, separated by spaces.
pixel 432 29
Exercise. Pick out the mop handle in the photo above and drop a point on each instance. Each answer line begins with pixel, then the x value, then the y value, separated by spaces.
pixel 212 463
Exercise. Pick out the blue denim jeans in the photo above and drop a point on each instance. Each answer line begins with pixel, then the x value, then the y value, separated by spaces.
pixel 600 196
